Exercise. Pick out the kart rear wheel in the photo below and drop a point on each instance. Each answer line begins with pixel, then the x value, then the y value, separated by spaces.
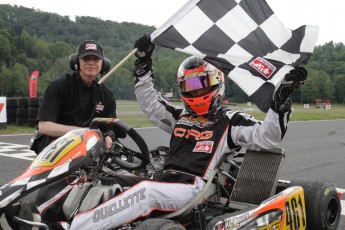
pixel 322 204
pixel 159 224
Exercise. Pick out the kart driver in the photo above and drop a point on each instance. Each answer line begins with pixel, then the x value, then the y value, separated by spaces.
pixel 200 133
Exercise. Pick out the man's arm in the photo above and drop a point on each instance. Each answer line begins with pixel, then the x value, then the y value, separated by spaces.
pixel 252 134
pixel 158 111
pixel 53 129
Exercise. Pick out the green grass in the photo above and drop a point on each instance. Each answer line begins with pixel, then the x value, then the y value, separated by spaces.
pixel 130 113
pixel 301 114
pixel 14 129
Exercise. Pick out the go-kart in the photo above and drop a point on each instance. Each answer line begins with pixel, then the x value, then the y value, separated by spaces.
pixel 243 192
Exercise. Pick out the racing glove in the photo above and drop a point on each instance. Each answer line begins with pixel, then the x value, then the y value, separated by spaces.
pixel 281 99
pixel 143 64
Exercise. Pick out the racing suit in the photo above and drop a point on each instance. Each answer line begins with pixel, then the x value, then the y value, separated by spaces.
pixel 196 145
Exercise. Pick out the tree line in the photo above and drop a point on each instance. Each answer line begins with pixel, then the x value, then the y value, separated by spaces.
pixel 34 40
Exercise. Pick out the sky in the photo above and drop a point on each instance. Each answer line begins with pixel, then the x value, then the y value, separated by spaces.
pixel 328 15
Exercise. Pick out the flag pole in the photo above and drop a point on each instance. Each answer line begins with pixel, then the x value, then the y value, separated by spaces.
pixel 105 77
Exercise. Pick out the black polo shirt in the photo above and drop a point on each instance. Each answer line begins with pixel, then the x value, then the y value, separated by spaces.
pixel 68 101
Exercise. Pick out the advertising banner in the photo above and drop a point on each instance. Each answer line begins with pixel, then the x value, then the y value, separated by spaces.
pixel 3 114
pixel 33 83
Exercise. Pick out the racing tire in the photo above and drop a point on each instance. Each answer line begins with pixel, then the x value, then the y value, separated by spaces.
pixel 22 102
pixel 11 103
pixel 21 121
pixel 32 112
pixel 31 122
pixel 34 102
pixel 11 120
pixel 322 204
pixel 159 224
pixel 22 112
pixel 11 112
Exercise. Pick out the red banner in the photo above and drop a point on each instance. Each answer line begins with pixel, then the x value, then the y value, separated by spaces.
pixel 33 84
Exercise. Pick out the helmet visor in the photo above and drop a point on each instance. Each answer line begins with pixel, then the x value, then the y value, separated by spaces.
pixel 202 80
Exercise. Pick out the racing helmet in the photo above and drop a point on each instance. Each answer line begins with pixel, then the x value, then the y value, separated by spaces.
pixel 201 86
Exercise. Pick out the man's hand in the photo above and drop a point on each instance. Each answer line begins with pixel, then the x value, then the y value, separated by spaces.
pixel 143 64
pixel 141 67
pixel 108 143
pixel 281 99
pixel 108 140
pixel 145 46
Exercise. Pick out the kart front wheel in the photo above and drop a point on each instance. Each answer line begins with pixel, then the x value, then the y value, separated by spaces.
pixel 322 204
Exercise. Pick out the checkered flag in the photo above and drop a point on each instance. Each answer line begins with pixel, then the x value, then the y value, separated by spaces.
pixel 243 38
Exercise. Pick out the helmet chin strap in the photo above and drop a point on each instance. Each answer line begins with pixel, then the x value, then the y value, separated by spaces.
pixel 217 103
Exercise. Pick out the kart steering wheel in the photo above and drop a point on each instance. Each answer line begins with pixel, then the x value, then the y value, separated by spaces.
pixel 122 155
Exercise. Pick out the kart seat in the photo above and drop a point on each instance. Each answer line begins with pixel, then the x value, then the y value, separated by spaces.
pixel 256 181
pixel 258 176
pixel 211 188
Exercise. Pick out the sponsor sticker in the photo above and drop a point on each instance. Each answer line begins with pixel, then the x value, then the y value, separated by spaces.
pixel 264 67
pixel 91 47
pixel 99 107
pixel 203 146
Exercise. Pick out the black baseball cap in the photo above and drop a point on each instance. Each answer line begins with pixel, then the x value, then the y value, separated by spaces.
pixel 90 47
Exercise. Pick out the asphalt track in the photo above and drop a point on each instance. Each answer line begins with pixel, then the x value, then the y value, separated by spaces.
pixel 314 150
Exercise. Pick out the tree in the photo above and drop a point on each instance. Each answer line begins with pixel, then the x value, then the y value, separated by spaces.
pixel 339 88
pixel 308 94
pixel 59 50
pixel 20 80
pixel 27 44
pixel 5 79
pixel 41 49
pixel 6 45
pixel 319 85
